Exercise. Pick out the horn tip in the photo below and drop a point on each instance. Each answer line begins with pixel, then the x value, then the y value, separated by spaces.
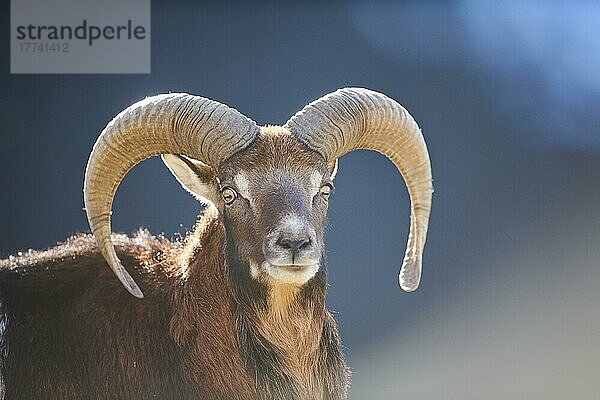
pixel 408 288
pixel 131 286
pixel 410 275
pixel 127 280
pixel 135 291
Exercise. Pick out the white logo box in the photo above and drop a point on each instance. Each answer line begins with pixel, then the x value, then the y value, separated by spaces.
pixel 80 36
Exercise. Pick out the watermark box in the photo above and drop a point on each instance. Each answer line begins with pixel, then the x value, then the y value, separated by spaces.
pixel 80 36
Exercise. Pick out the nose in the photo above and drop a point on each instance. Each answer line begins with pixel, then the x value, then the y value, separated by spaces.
pixel 295 244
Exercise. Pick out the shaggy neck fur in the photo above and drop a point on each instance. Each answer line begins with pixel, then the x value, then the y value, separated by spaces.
pixel 288 343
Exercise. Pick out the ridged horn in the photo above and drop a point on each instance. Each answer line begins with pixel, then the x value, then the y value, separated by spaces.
pixel 176 123
pixel 356 118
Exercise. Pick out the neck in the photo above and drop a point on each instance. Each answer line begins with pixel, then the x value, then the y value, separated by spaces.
pixel 287 342
pixel 202 324
pixel 280 331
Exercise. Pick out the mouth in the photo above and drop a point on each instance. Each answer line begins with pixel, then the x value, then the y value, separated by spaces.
pixel 291 273
pixel 293 267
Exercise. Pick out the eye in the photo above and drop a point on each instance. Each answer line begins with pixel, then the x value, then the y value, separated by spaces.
pixel 326 190
pixel 229 195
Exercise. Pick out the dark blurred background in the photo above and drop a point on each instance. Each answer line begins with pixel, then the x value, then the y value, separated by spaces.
pixel 507 95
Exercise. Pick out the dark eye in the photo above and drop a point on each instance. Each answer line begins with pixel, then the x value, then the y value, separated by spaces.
pixel 229 195
pixel 326 190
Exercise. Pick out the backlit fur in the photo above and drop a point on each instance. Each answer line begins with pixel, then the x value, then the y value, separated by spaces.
pixel 206 329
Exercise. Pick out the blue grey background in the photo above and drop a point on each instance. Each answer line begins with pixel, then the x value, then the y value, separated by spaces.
pixel 507 97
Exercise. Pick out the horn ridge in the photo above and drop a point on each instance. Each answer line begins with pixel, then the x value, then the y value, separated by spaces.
pixel 176 123
pixel 356 118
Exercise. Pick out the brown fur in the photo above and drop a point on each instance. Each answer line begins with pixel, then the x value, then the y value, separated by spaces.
pixel 72 332
pixel 295 333
pixel 206 328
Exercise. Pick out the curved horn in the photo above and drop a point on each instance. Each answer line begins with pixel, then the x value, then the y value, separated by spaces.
pixel 177 123
pixel 355 118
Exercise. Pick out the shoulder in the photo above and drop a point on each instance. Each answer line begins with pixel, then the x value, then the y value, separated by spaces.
pixel 77 261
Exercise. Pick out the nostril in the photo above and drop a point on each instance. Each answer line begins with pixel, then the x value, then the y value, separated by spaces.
pixel 285 243
pixel 304 243
pixel 295 244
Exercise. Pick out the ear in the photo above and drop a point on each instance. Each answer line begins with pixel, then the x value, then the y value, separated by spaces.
pixel 332 167
pixel 195 177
